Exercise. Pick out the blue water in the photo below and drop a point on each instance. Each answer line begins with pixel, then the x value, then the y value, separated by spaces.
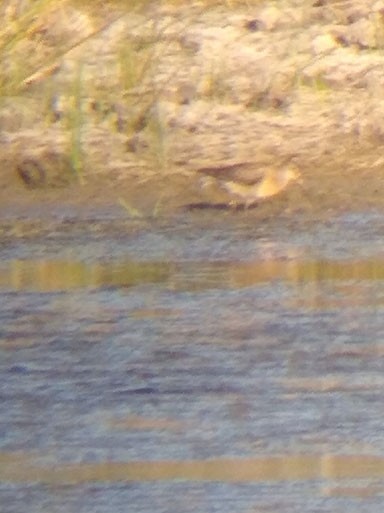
pixel 231 364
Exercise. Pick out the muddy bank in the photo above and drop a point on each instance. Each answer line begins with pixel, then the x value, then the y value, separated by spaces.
pixel 220 84
pixel 329 188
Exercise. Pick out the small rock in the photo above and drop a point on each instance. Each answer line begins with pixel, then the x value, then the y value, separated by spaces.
pixel 267 19
pixel 137 143
pixel 253 25
pixel 362 33
pixel 324 43
pixel 48 169
pixel 32 173
pixel 186 93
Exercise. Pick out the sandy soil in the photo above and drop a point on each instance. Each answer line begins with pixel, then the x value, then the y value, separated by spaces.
pixel 231 83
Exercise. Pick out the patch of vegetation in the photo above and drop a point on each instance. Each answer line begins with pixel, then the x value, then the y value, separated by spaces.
pixel 32 51
pixel 19 42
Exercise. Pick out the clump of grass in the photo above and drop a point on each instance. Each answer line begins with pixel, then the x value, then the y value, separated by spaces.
pixel 320 84
pixel 140 89
pixel 215 86
pixel 133 60
pixel 24 60
pixel 133 212
pixel 75 125
pixel 157 136
pixel 21 54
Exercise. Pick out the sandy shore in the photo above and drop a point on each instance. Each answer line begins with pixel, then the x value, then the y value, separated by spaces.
pixel 220 84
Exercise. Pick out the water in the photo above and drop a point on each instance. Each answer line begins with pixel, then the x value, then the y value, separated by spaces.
pixel 191 365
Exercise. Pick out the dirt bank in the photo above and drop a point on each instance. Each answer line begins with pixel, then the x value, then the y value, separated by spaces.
pixel 220 84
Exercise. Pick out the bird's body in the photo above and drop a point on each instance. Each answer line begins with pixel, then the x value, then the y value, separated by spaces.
pixel 250 183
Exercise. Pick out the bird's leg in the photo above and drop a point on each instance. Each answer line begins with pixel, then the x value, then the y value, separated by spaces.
pixel 250 203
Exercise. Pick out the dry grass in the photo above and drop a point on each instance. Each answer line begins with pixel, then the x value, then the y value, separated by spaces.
pixel 32 49
pixel 22 53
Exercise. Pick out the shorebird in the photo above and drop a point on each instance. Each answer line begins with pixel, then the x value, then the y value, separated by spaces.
pixel 249 182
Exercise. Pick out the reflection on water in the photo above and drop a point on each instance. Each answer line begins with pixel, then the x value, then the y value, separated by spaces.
pixel 224 385
pixel 273 468
pixel 55 275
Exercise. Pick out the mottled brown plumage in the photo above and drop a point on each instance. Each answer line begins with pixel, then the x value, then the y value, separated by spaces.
pixel 250 182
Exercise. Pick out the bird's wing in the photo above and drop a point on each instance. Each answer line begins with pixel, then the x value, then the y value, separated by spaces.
pixel 243 172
